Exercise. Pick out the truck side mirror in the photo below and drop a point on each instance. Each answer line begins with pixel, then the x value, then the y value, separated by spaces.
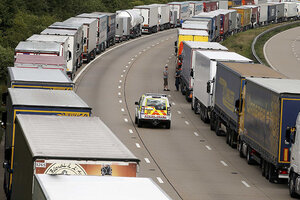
pixel 290 134
pixel 7 154
pixel 175 43
pixel 136 103
pixel 208 87
pixel 69 55
pixel 237 106
pixel 84 40
pixel 4 120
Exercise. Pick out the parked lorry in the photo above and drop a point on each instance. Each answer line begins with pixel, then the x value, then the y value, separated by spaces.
pixel 90 29
pixel 101 26
pixel 204 78
pixel 181 10
pixel 245 13
pixel 209 6
pixel 267 13
pixel 223 5
pixel 41 62
pixel 229 95
pixel 39 48
pixel 35 102
pixel 38 79
pixel 271 108
pixel 195 7
pixel 291 11
pixel 150 16
pixel 224 22
pixel 254 15
pixel 164 16
pixel 216 22
pixel 132 28
pixel 198 24
pixel 191 35
pixel 292 137
pixel 64 41
pixel 279 11
pixel 111 28
pixel 188 64
pixel 55 187
pixel 233 21
pixel 66 145
pixel 234 3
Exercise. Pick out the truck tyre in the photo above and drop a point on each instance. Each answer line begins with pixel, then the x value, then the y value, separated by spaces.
pixel 292 188
pixel 205 115
pixel 168 125
pixel 228 135
pixel 232 141
pixel 240 149
pixel 88 58
pixel 218 131
pixel 263 167
pixel 250 161
pixel 182 88
pixel 272 174
pixel 212 122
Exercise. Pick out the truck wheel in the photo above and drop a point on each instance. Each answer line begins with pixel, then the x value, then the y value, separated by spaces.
pixel 218 131
pixel 168 125
pixel 205 115
pixel 231 141
pixel 182 89
pixel 88 58
pixel 272 174
pixel 240 148
pixel 263 167
pixel 292 188
pixel 212 122
pixel 228 135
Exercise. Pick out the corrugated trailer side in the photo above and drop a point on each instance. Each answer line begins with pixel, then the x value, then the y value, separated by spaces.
pixel 271 105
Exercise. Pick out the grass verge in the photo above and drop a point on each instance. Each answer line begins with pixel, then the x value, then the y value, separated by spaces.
pixel 241 42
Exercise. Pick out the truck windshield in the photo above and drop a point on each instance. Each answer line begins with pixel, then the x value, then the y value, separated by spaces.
pixel 158 104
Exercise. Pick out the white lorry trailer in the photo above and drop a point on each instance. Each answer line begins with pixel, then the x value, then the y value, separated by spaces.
pixel 90 29
pixel 64 41
pixel 56 187
pixel 291 11
pixel 41 62
pixel 204 78
pixel 102 26
pixel 188 57
pixel 164 16
pixel 195 7
pixel 69 146
pixel 39 48
pixel 150 16
pixel 181 10
pixel 132 28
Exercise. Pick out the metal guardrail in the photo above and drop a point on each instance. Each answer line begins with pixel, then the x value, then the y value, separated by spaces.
pixel 263 33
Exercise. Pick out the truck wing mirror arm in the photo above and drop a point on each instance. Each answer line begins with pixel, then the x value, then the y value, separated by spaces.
pixel 136 103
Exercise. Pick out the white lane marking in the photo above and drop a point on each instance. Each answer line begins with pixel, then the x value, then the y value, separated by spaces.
pixel 130 131
pixel 246 184
pixel 170 57
pixel 119 86
pixel 135 56
pixel 144 49
pixel 298 58
pixel 109 50
pixel 169 95
pixel 157 43
pixel 159 180
pixel 120 81
pixel 119 93
pixel 138 145
pixel 167 38
pixel 187 123
pixel 140 52
pixel 125 119
pixel 132 58
pixel 147 160
pixel 208 147
pixel 153 45
pixel 124 70
pixel 195 133
pixel 162 40
pixel 148 47
pixel 168 61
pixel 129 63
pixel 122 109
pixel 173 104
pixel 122 75
pixel 224 163
pixel 120 101
pixel 179 112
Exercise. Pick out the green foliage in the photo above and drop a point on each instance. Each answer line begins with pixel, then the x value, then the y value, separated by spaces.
pixel 6 60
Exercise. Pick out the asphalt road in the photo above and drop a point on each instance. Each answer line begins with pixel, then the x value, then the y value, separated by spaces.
pixel 282 52
pixel 188 161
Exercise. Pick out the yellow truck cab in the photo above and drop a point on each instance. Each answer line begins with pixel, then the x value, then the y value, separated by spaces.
pixel 153 108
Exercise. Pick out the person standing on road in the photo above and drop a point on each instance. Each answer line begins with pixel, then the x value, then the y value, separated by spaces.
pixel 177 79
pixel 165 75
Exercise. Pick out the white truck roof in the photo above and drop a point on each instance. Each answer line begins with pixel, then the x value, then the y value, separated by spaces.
pixel 205 45
pixel 91 15
pixel 79 20
pixel 40 60
pixel 51 98
pixel 178 3
pixel 68 26
pixel 54 38
pixel 38 75
pixel 224 56
pixel 96 187
pixel 197 25
pixel 38 46
pixel 279 86
pixel 72 137
pixel 50 31
pixel 192 32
